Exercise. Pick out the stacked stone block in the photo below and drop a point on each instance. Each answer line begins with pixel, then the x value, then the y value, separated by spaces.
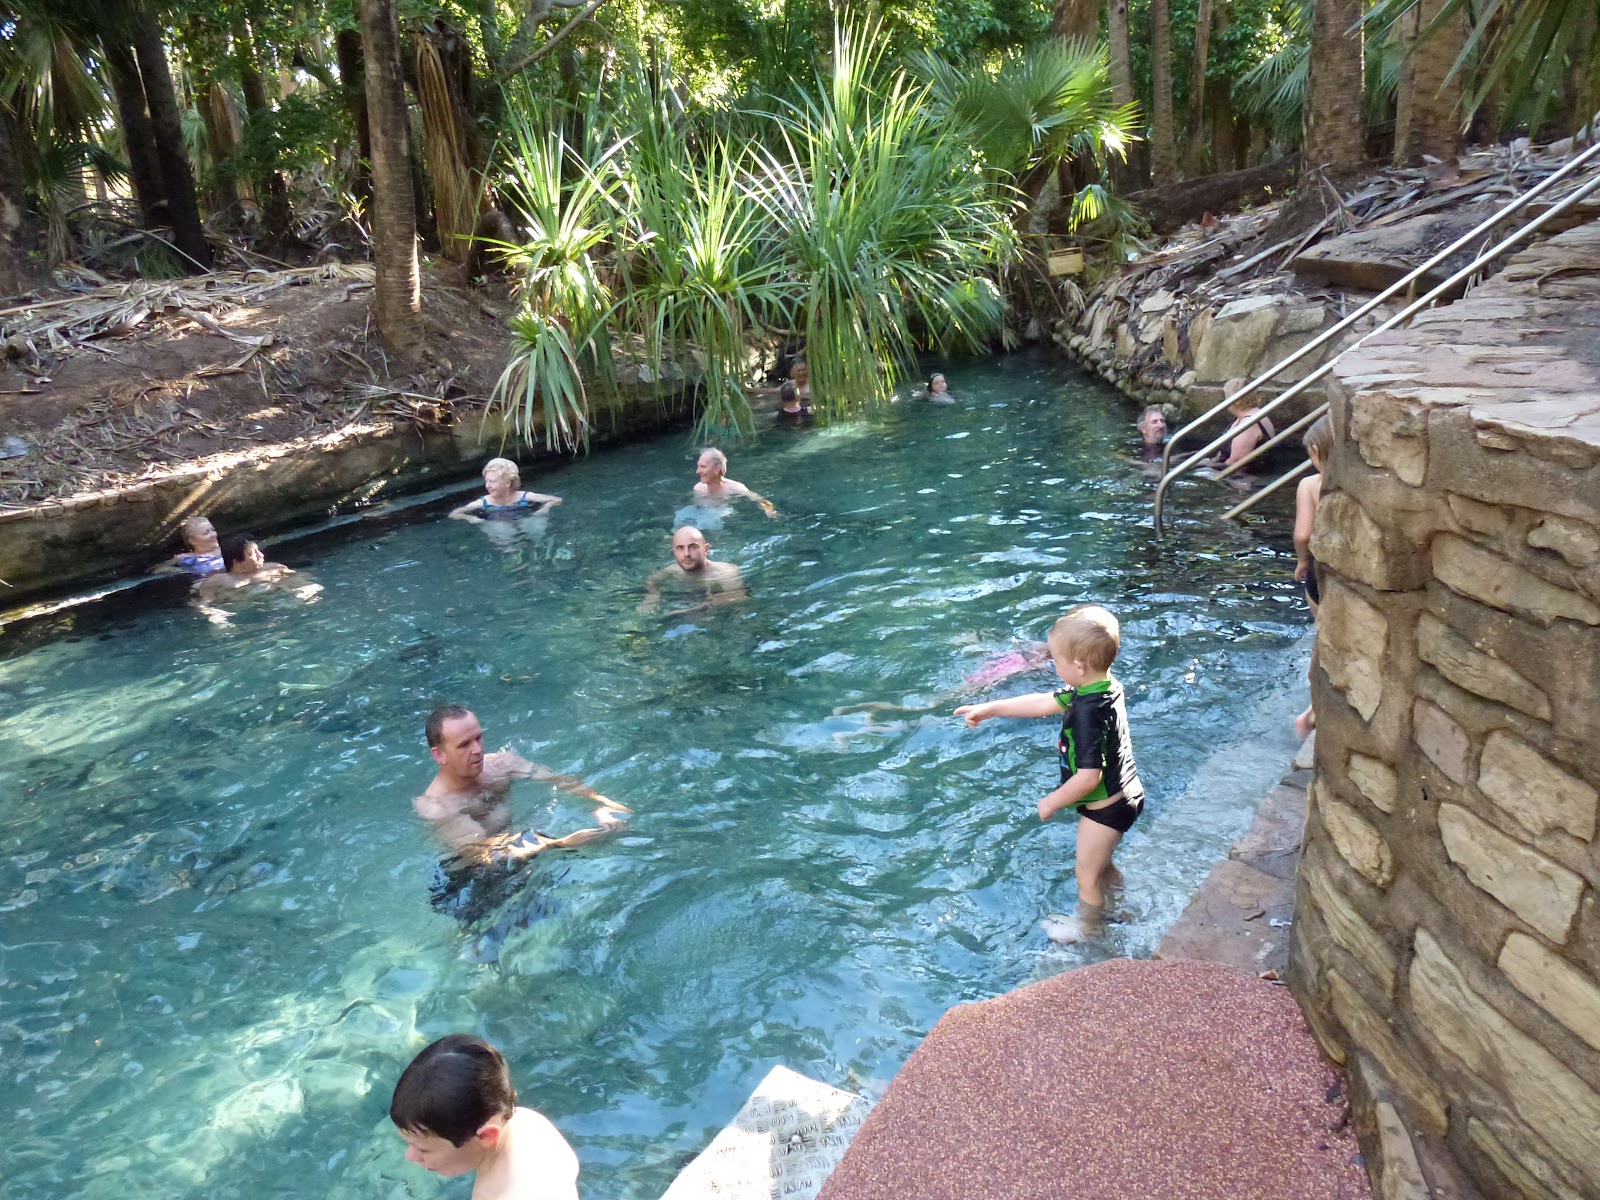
pixel 1447 938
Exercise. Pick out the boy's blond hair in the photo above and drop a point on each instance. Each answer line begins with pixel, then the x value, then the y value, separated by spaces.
pixel 1087 634
pixel 503 466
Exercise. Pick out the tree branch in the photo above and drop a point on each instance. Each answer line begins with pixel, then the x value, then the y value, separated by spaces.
pixel 527 60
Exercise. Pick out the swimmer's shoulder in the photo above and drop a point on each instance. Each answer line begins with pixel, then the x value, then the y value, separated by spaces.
pixel 543 1167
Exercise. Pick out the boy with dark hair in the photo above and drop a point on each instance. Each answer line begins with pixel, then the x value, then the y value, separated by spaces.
pixel 457 1111
pixel 1099 778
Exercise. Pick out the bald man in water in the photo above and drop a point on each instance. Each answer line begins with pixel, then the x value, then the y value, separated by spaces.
pixel 695 574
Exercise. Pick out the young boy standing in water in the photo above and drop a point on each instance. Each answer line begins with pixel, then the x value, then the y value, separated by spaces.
pixel 1098 775
pixel 457 1111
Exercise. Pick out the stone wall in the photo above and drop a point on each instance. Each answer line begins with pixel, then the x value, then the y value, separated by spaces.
pixel 57 546
pixel 1447 935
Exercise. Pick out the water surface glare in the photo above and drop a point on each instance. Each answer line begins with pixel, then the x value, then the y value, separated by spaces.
pixel 216 945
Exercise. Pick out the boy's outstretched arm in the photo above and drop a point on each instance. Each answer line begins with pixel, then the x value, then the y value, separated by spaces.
pixel 1035 704
pixel 1069 793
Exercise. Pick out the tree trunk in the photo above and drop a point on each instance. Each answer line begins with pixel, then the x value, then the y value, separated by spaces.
pixel 1163 139
pixel 1121 57
pixel 222 138
pixel 1197 84
pixel 138 142
pixel 272 187
pixel 1428 109
pixel 166 127
pixel 14 277
pixel 1078 20
pixel 347 45
pixel 1335 129
pixel 398 295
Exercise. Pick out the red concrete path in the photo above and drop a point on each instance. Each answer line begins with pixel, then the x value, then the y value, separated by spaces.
pixel 1121 1081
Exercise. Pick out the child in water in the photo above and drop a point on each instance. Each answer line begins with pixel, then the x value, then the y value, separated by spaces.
pixel 457 1110
pixel 938 389
pixel 1318 441
pixel 504 499
pixel 1099 778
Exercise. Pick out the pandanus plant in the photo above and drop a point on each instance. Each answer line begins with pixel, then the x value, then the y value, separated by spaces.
pixel 854 220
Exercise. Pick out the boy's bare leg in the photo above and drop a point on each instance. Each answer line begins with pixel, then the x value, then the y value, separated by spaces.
pixel 1096 844
pixel 1096 874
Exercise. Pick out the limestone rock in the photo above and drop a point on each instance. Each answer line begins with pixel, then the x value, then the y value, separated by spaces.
pixel 1357 839
pixel 1350 647
pixel 1555 985
pixel 1488 519
pixel 1349 541
pixel 1347 927
pixel 1390 435
pixel 1232 342
pixel 1499 583
pixel 1374 1035
pixel 1468 668
pixel 1539 795
pixel 1576 541
pixel 1521 1175
pixel 1466 1030
pixel 1444 742
pixel 1371 259
pixel 1401 1178
pixel 1375 779
pixel 1542 892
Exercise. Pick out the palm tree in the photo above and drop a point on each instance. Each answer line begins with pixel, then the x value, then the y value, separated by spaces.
pixel 1121 56
pixel 1428 117
pixel 397 301
pixel 166 129
pixel 1163 139
pixel 1335 131
pixel 1075 20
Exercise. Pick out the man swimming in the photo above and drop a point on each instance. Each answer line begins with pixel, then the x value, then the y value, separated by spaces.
pixel 695 574
pixel 468 808
pixel 715 488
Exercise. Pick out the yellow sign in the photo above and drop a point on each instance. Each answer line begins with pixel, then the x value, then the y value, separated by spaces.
pixel 1067 262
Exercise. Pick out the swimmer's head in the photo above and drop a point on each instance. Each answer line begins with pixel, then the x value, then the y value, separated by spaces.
pixel 455 739
pixel 242 550
pixel 452 1104
pixel 800 372
pixel 199 534
pixel 503 471
pixel 937 384
pixel 1089 635
pixel 712 465
pixel 1319 441
pixel 689 548
pixel 788 394
pixel 1153 426
pixel 1238 405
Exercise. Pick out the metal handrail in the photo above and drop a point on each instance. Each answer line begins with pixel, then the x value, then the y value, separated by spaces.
pixel 1170 473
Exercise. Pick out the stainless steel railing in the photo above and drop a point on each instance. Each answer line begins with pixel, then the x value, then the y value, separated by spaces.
pixel 1169 473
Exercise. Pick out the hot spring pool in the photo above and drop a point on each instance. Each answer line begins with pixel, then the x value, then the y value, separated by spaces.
pixel 216 945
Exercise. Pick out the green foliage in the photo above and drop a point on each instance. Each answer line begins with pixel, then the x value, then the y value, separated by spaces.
pixel 1534 55
pixel 1033 107
pixel 854 216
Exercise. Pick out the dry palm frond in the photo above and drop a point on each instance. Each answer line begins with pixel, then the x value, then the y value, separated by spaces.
pixel 56 326
pixel 456 185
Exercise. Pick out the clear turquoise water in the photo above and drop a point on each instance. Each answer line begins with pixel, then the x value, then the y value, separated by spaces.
pixel 216 946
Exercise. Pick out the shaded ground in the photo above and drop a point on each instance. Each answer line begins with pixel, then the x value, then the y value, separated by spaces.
pixel 115 386
pixel 1136 1080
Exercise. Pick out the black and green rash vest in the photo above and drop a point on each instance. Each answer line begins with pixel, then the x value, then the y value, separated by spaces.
pixel 1094 737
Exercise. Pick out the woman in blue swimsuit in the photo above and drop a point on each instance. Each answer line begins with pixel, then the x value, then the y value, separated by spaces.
pixel 505 500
